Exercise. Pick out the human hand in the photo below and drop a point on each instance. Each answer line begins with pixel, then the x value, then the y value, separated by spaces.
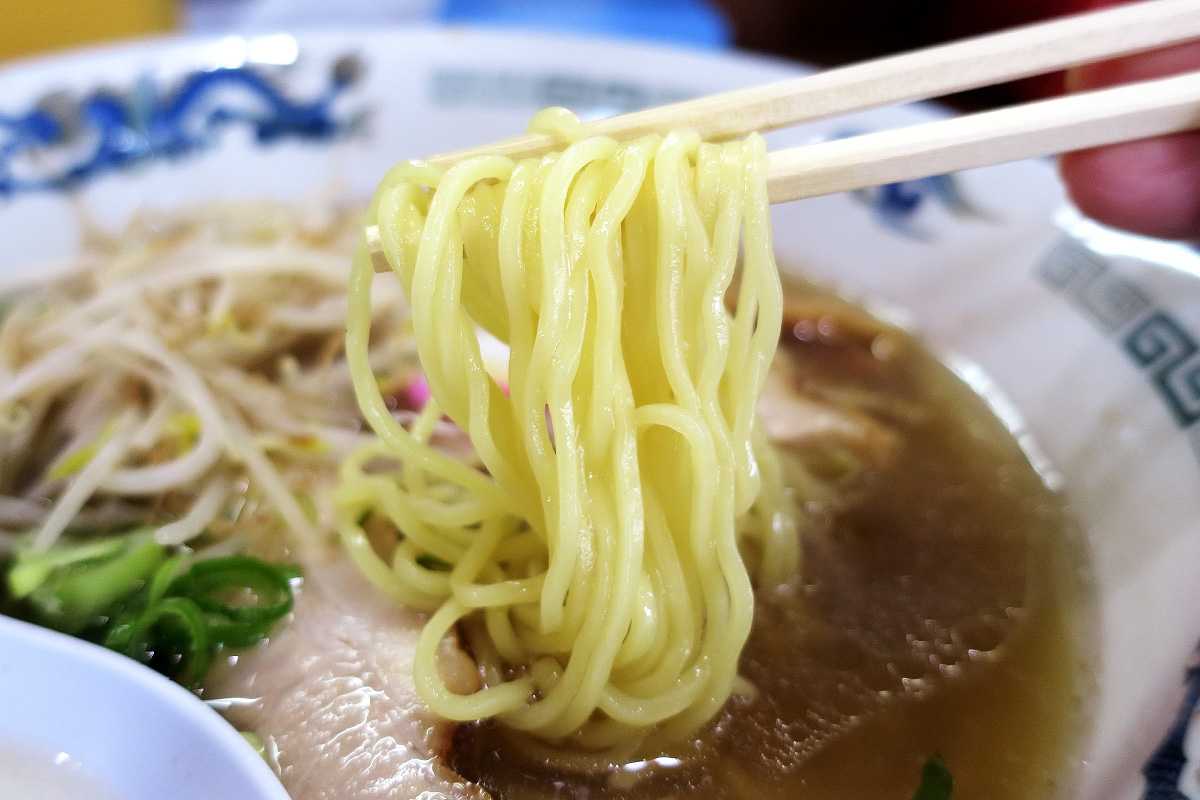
pixel 1151 186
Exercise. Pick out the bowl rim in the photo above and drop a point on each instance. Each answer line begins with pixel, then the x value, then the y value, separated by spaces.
pixel 19 640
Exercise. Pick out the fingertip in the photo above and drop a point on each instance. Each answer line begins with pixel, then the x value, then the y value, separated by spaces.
pixel 1145 66
pixel 1150 187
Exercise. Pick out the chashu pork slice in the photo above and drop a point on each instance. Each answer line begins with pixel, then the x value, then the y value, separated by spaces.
pixel 332 696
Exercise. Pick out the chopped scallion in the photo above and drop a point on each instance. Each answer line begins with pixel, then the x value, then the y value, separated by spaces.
pixel 135 596
pixel 936 781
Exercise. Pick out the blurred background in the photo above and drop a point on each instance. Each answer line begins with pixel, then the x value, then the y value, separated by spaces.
pixel 824 32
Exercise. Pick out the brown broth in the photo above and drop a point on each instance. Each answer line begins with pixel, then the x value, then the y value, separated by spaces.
pixel 941 610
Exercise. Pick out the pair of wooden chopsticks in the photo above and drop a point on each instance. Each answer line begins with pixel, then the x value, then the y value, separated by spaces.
pixel 1052 126
pixel 1076 122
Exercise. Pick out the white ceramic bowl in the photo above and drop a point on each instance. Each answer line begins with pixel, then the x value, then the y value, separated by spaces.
pixel 124 728
pixel 1092 337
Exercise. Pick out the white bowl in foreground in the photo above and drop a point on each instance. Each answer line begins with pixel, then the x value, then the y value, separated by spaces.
pixel 96 722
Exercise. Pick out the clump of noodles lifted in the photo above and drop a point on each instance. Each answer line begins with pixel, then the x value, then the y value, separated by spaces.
pixel 599 566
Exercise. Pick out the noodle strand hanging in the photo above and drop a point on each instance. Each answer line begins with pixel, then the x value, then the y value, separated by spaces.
pixel 600 567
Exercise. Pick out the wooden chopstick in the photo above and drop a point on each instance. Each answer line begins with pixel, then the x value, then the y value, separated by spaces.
pixel 1063 124
pixel 1059 125
pixel 920 75
pixel 1075 122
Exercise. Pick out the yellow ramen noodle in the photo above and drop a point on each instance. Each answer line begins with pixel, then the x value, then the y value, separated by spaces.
pixel 601 566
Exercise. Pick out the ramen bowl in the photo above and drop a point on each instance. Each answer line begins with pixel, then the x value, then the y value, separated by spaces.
pixel 1085 340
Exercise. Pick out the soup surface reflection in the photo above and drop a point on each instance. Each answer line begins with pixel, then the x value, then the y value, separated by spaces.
pixel 941 609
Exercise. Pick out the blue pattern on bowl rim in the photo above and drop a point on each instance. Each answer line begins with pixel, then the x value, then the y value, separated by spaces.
pixel 1156 340
pixel 895 205
pixel 62 141
pixel 1166 352
pixel 118 130
pixel 1167 766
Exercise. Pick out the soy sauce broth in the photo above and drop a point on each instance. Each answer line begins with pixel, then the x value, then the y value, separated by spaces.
pixel 942 607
